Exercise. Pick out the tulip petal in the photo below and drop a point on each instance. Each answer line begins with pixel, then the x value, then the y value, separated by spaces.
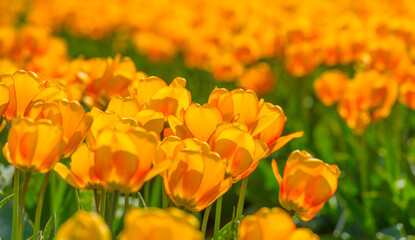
pixel 284 140
pixel 4 98
pixel 202 120
pixel 275 171
pixel 68 176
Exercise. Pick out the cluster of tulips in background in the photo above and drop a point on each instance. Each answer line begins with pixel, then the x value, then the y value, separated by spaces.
pixel 95 146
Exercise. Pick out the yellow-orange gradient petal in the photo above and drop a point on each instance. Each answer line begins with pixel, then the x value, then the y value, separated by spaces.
pixel 202 120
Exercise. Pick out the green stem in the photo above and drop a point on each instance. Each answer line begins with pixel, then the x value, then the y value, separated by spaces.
pixel 156 192
pixel 217 218
pixel 39 206
pixel 165 199
pixel 102 203
pixel 241 199
pixel 22 205
pixel 126 202
pixel 113 209
pixel 147 192
pixel 15 202
pixel 205 220
pixel 96 200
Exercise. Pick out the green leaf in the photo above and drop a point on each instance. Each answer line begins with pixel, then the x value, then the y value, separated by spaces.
pixel 4 201
pixel 50 228
pixel 87 200
pixel 226 232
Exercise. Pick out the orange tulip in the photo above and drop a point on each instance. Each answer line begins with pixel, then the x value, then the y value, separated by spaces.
pixel 196 179
pixel 129 108
pixel 68 114
pixel 407 94
pixel 144 88
pixel 25 88
pixel 272 224
pixel 237 146
pixel 330 86
pixel 258 78
pixel 171 100
pixel 159 224
pixel 84 226
pixel 307 184
pixel 34 146
pixel 301 58
pixel 4 98
pixel 198 122
pixel 264 120
pixel 124 159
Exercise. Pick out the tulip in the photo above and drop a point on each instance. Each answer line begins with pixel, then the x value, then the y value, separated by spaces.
pixel 68 114
pixel 330 86
pixel 272 224
pixel 143 89
pixel 306 185
pixel 123 159
pixel 407 94
pixel 159 224
pixel 171 100
pixel 34 146
pixel 196 179
pixel 258 78
pixel 84 226
pixel 25 88
pixel 238 147
pixel 129 108
pixel 198 122
pixel 4 98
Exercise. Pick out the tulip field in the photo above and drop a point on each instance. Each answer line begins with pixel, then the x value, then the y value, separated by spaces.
pixel 191 120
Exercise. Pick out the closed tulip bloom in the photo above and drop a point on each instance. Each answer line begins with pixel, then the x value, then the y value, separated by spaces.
pixel 306 185
pixel 124 159
pixel 129 108
pixel 198 122
pixel 143 89
pixel 171 100
pixel 196 179
pixel 34 146
pixel 84 226
pixel 80 174
pixel 235 144
pixel 106 120
pixel 159 224
pixel 272 224
pixel 4 98
pixel 25 88
pixel 68 114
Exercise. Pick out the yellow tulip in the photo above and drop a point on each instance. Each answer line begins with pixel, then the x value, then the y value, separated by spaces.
pixel 25 88
pixel 306 185
pixel 272 224
pixel 196 179
pixel 159 224
pixel 68 114
pixel 84 226
pixel 34 146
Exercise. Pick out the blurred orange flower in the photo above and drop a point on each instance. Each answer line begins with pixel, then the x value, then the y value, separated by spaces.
pixel 306 185
pixel 330 86
pixel 272 224
pixel 4 98
pixel 258 78
pixel 34 146
pixel 84 226
pixel 159 224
